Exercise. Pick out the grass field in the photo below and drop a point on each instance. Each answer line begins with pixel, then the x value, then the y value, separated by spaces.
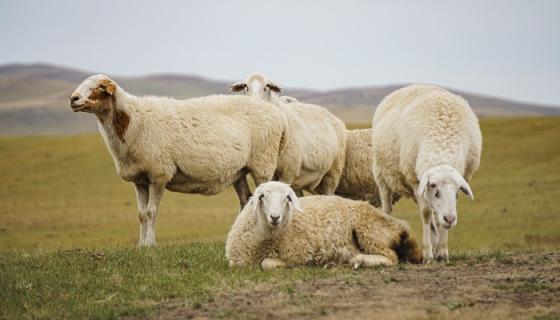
pixel 68 225
pixel 62 192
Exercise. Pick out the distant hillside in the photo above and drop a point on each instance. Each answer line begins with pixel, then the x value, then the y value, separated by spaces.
pixel 34 98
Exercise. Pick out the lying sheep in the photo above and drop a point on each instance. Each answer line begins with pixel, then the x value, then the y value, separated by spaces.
pixel 357 180
pixel 317 139
pixel 427 144
pixel 276 229
pixel 200 145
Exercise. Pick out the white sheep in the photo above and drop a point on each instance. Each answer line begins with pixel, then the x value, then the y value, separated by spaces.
pixel 276 229
pixel 258 85
pixel 317 139
pixel 200 145
pixel 427 145
pixel 356 181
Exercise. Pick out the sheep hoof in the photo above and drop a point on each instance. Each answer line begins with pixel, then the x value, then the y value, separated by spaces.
pixel 428 260
pixel 356 266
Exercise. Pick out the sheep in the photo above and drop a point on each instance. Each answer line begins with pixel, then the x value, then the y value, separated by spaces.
pixel 427 144
pixel 276 229
pixel 317 141
pixel 200 145
pixel 258 85
pixel 356 181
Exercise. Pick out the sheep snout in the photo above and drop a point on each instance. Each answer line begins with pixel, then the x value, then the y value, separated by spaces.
pixel 450 221
pixel 76 103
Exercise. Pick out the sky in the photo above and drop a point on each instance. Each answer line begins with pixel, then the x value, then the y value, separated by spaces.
pixel 504 48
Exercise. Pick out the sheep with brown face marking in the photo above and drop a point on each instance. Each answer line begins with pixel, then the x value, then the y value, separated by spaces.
pixel 317 139
pixel 200 145
pixel 276 229
pixel 426 145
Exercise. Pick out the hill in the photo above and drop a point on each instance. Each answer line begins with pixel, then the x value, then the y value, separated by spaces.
pixel 33 98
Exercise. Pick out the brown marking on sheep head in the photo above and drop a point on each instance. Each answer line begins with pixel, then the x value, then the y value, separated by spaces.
pixel 95 95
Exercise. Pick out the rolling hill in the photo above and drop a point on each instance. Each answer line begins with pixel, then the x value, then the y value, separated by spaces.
pixel 33 98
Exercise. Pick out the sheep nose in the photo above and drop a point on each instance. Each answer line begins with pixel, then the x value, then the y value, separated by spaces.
pixel 449 219
pixel 274 218
pixel 74 98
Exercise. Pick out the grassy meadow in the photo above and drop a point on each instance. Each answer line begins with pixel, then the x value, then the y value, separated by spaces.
pixel 68 226
pixel 63 192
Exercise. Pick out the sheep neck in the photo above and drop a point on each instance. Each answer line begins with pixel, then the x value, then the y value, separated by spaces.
pixel 116 125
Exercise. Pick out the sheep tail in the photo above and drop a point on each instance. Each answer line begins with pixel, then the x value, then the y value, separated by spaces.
pixel 408 249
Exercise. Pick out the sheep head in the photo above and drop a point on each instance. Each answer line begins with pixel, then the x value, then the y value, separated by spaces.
pixel 274 203
pixel 256 85
pixel 96 95
pixel 439 187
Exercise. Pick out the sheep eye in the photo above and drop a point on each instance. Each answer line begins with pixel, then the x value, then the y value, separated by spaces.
pixel 437 194
pixel 261 196
pixel 289 198
pixel 433 185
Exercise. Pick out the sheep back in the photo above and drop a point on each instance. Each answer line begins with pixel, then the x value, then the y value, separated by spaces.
pixel 419 127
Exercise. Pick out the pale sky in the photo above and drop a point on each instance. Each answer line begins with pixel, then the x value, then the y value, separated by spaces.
pixel 502 48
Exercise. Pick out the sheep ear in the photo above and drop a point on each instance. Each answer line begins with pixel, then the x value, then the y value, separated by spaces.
pixel 274 87
pixel 423 185
pixel 466 189
pixel 254 203
pixel 463 185
pixel 294 201
pixel 108 86
pixel 238 86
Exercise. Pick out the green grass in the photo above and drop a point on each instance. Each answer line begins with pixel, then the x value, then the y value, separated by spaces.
pixel 68 225
pixel 115 282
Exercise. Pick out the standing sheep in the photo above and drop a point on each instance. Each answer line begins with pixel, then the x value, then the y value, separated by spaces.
pixel 316 143
pixel 356 180
pixel 427 144
pixel 200 145
pixel 276 229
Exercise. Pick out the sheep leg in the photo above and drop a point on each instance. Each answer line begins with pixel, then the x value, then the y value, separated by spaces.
pixel 271 263
pixel 442 253
pixel 386 198
pixel 243 192
pixel 426 217
pixel 371 243
pixel 142 196
pixel 369 261
pixel 331 179
pixel 156 193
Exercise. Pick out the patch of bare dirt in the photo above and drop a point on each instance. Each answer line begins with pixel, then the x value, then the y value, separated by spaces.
pixel 520 286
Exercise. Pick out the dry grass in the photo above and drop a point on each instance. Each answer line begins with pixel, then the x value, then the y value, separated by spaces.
pixel 63 192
